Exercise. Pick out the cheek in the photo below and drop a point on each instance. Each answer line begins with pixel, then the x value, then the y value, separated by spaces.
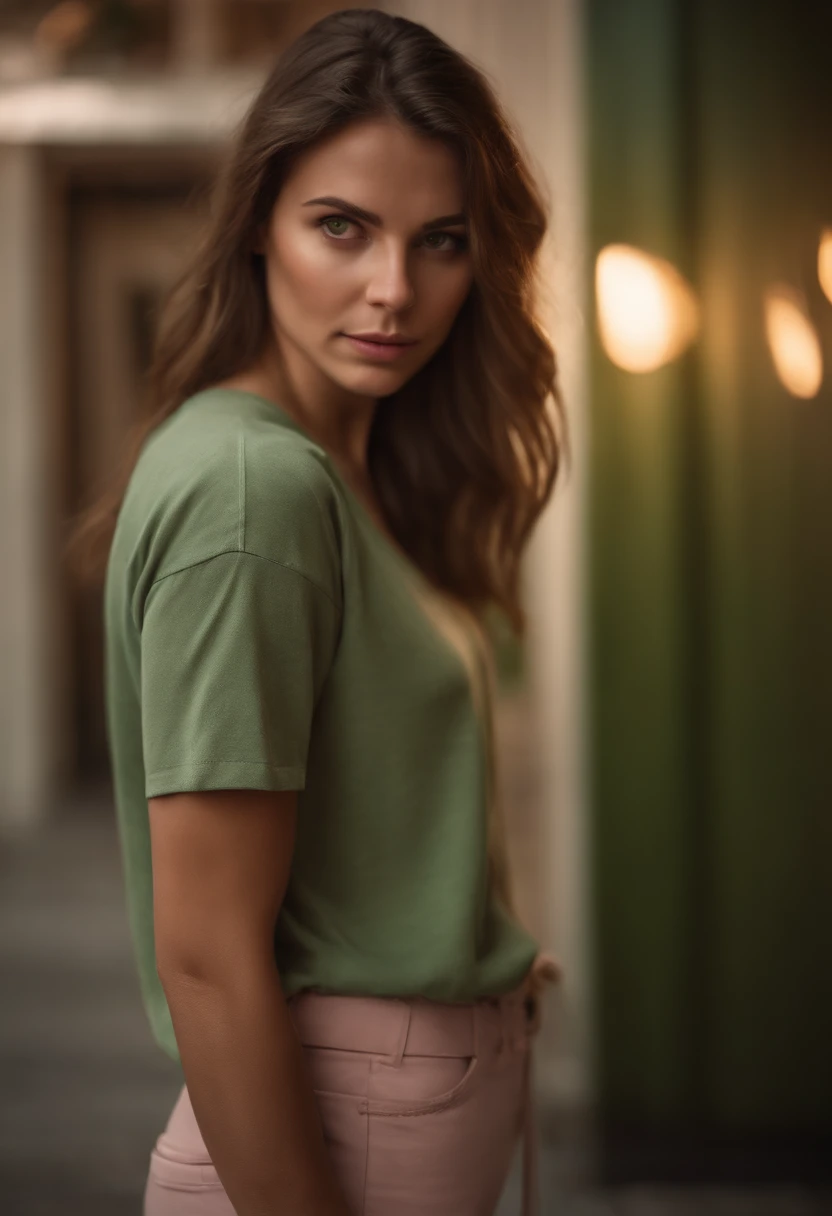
pixel 301 279
pixel 447 295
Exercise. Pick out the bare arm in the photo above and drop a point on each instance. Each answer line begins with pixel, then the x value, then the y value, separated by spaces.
pixel 220 868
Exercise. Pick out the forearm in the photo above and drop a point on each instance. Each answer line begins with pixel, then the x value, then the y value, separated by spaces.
pixel 249 1087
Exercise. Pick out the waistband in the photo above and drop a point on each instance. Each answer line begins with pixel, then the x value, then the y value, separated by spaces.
pixel 397 1026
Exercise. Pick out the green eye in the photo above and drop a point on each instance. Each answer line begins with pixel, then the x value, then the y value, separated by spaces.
pixel 432 240
pixel 334 219
pixel 455 242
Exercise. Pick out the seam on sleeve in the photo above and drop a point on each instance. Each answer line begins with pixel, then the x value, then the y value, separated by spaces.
pixel 248 553
pixel 209 764
pixel 241 505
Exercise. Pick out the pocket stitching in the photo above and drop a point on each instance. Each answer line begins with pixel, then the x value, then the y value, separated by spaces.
pixel 426 1106
pixel 340 1052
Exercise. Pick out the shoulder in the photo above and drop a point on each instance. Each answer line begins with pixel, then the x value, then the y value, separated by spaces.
pixel 210 481
pixel 291 505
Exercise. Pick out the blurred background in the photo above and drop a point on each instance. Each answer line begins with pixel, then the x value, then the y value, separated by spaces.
pixel 664 725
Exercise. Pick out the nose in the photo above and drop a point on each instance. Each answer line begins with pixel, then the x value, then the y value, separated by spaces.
pixel 390 284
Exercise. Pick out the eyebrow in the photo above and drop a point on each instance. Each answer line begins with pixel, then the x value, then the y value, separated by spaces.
pixel 370 217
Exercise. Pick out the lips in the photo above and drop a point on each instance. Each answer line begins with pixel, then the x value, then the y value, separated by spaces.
pixel 385 351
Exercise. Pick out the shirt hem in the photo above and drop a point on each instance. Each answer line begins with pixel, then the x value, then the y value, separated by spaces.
pixel 223 774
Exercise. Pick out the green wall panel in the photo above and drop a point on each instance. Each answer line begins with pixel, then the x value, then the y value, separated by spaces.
pixel 710 127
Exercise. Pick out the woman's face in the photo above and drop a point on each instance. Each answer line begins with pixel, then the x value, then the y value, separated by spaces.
pixel 392 270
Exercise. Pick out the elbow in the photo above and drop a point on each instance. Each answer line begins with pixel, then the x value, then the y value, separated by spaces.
pixel 177 965
pixel 215 963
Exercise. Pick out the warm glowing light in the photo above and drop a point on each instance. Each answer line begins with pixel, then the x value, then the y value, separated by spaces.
pixel 793 342
pixel 647 312
pixel 825 262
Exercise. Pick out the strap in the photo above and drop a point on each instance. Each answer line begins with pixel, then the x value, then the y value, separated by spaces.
pixel 531 1180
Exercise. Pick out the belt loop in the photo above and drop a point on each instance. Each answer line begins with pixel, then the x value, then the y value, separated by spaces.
pixel 395 1057
pixel 531 1179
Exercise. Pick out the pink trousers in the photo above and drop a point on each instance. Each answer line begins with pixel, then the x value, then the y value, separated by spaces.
pixel 422 1105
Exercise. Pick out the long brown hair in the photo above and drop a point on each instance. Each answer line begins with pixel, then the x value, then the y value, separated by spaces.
pixel 463 456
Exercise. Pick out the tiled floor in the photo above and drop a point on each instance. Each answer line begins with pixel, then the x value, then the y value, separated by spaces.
pixel 84 1090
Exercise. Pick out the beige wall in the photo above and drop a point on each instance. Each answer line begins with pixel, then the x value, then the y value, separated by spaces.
pixel 29 752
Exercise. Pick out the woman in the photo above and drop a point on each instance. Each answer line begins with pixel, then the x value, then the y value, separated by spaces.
pixel 348 450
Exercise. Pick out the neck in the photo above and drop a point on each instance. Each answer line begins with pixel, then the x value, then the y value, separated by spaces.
pixel 336 418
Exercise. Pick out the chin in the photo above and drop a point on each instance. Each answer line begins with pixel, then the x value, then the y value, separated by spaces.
pixel 374 382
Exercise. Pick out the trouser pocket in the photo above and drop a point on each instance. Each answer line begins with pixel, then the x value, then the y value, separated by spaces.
pixel 416 1084
pixel 421 1085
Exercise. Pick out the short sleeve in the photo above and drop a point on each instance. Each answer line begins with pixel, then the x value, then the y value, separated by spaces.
pixel 234 653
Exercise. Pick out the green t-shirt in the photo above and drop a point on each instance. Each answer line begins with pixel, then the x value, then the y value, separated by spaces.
pixel 261 632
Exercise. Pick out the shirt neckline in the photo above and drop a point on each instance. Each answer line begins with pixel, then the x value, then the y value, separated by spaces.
pixel 370 526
